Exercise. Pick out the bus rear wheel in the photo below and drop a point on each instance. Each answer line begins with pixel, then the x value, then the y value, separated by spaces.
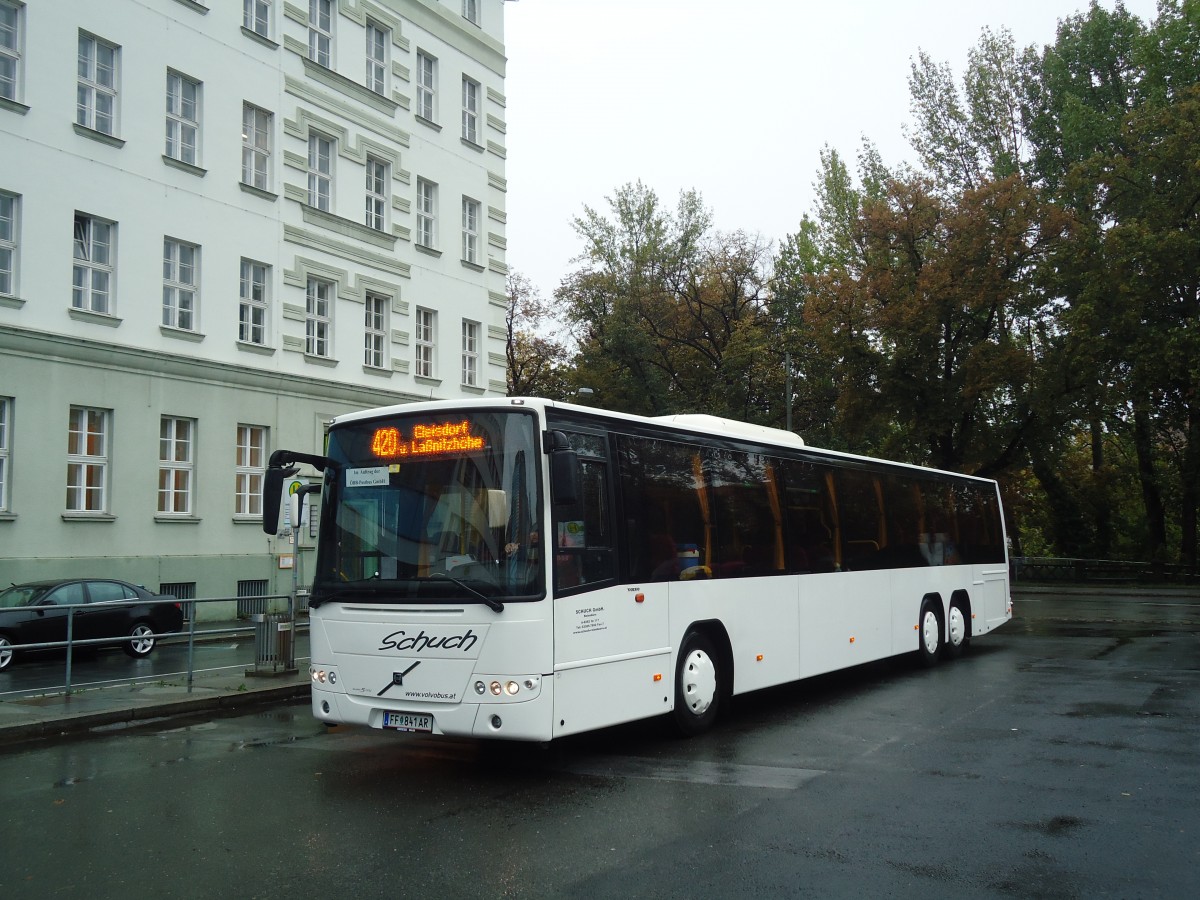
pixel 958 630
pixel 930 629
pixel 697 685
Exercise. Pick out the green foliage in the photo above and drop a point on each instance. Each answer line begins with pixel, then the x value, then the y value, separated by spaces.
pixel 668 314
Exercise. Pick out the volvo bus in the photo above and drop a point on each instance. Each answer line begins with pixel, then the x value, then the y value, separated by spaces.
pixel 525 569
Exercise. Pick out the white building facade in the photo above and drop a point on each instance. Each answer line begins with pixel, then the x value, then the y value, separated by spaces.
pixel 223 223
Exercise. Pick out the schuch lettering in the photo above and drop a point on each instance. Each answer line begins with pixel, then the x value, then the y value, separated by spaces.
pixel 401 641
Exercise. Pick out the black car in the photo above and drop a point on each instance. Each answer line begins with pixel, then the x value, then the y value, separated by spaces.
pixel 109 612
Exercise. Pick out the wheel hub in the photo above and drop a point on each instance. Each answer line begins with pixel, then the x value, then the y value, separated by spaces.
pixel 698 682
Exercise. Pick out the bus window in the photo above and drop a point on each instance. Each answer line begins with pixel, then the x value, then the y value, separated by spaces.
pixel 863 529
pixel 668 527
pixel 980 538
pixel 745 516
pixel 583 536
pixel 810 526
pixel 902 515
pixel 939 528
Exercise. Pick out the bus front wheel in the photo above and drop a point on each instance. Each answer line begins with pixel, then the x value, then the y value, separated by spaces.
pixel 697 685
pixel 930 629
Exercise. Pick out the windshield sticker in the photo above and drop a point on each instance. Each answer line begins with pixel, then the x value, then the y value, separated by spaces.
pixel 371 476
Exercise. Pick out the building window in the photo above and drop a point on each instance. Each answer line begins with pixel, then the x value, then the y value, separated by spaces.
pixel 320 171
pixel 252 304
pixel 96 92
pixel 248 477
pixel 470 11
pixel 320 32
pixel 94 266
pixel 470 111
pixel 183 118
pixel 256 147
pixel 426 213
pixel 424 343
pixel 470 353
pixel 376 330
pixel 8 244
pixel 10 50
pixel 426 86
pixel 256 16
pixel 87 460
pixel 181 265
pixel 5 449
pixel 470 230
pixel 377 193
pixel 176 439
pixel 378 39
pixel 317 317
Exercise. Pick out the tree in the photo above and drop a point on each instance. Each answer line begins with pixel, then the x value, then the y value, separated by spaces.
pixel 668 314
pixel 537 363
pixel 939 342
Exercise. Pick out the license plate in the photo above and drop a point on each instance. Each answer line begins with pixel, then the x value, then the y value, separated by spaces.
pixel 408 721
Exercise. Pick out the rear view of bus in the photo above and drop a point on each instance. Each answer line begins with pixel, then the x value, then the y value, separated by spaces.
pixel 428 609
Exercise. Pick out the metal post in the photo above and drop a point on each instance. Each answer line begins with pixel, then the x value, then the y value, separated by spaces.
pixel 191 646
pixel 70 647
pixel 787 361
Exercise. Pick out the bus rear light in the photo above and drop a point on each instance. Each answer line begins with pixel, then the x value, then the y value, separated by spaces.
pixel 495 688
pixel 511 688
pixel 759 658
pixel 852 639
pixel 658 676
pixel 480 687
pixel 639 598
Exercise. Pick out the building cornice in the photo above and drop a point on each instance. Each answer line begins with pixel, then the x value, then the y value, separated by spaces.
pixel 159 364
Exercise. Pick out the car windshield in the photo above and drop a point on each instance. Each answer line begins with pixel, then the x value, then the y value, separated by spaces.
pixel 21 595
pixel 424 508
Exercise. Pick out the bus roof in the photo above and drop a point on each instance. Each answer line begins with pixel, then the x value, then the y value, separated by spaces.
pixel 693 422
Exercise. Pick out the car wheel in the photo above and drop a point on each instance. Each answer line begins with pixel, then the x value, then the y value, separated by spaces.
pixel 697 685
pixel 141 640
pixel 930 643
pixel 6 653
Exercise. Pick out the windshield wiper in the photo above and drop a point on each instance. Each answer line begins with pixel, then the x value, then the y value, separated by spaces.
pixel 491 602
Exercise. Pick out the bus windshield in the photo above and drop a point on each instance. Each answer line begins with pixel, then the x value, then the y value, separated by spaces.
pixel 429 508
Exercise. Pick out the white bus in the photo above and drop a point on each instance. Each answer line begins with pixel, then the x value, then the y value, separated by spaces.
pixel 524 569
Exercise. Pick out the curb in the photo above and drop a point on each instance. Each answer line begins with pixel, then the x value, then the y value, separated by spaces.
pixel 73 725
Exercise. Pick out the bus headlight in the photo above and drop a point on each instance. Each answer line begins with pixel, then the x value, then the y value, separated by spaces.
pixel 323 677
pixel 507 688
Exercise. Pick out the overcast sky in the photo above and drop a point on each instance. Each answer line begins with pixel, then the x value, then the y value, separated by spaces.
pixel 733 98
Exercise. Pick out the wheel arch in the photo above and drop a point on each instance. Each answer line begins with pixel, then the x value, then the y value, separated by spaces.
pixel 934 599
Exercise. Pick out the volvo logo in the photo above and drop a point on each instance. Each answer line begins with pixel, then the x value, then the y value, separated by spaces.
pixel 397 679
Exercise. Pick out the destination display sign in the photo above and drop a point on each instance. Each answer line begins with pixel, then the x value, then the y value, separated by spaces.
pixel 431 439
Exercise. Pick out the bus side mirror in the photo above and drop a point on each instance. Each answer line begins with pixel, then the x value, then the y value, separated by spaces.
pixel 564 477
pixel 272 493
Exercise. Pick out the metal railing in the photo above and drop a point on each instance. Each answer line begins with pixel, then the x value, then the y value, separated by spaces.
pixel 1100 571
pixel 190 632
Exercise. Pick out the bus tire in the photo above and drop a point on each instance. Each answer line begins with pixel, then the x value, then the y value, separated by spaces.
pixel 697 685
pixel 958 628
pixel 929 633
